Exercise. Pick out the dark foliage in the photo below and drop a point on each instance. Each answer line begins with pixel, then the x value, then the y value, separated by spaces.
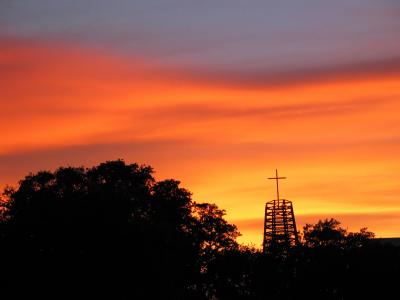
pixel 108 230
pixel 113 231
pixel 331 263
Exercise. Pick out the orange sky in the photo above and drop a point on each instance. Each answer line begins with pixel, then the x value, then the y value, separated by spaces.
pixel 333 133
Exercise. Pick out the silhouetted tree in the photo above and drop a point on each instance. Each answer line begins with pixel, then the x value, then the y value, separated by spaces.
pixel 329 233
pixel 114 227
pixel 324 233
pixel 359 239
pixel 344 265
pixel 213 233
pixel 231 274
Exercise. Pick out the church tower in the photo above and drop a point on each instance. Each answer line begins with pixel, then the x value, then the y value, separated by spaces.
pixel 280 230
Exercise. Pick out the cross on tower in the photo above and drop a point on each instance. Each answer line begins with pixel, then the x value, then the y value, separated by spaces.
pixel 277 182
pixel 280 232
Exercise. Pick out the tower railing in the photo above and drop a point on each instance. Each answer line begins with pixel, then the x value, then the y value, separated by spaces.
pixel 280 231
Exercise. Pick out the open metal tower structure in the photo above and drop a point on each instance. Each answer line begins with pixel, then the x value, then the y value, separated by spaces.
pixel 280 230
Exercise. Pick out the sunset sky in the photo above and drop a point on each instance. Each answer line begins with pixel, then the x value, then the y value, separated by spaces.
pixel 217 94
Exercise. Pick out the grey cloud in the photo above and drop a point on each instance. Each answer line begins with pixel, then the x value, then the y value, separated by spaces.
pixel 207 111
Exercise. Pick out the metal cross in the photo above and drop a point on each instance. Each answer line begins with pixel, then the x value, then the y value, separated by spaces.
pixel 277 182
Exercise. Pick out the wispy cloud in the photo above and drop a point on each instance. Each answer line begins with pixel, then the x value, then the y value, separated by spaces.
pixel 65 104
pixel 267 77
pixel 200 111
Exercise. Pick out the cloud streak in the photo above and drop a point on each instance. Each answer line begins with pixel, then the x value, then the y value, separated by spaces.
pixel 67 104
pixel 273 78
pixel 199 111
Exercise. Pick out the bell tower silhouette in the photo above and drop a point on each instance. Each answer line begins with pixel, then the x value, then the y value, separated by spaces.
pixel 280 230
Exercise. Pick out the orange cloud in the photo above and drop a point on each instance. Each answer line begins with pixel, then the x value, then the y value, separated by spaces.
pixel 337 139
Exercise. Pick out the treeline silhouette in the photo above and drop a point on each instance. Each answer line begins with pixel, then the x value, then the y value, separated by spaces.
pixel 113 231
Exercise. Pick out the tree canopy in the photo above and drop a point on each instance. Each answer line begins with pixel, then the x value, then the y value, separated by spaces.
pixel 118 213
pixel 329 233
